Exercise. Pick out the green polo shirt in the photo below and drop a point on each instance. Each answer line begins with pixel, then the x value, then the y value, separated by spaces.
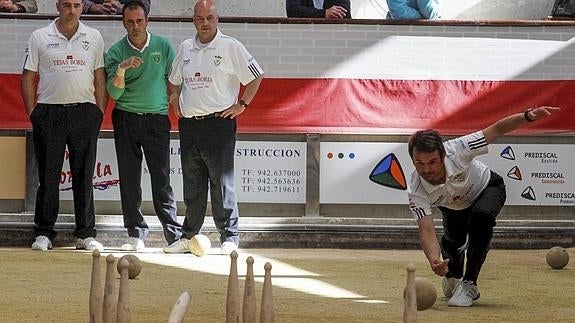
pixel 145 90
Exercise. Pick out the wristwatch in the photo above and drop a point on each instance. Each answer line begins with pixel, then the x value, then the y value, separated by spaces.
pixel 243 103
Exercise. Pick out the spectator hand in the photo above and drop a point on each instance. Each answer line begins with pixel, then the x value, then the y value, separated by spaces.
pixel 113 6
pixel 440 267
pixel 335 12
pixel 100 9
pixel 8 6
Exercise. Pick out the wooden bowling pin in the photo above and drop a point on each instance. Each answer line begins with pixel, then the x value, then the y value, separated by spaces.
pixel 123 310
pixel 109 307
pixel 180 308
pixel 233 297
pixel 410 301
pixel 249 305
pixel 96 290
pixel 267 307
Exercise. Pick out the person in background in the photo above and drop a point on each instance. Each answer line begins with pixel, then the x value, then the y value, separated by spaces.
pixel 109 7
pixel 469 195
pixel 329 9
pixel 18 6
pixel 137 67
pixel 413 9
pixel 203 88
pixel 66 108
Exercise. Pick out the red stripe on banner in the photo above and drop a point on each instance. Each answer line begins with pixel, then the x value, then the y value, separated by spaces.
pixel 369 106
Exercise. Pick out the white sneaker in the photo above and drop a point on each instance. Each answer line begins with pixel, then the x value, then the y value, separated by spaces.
pixel 133 244
pixel 449 285
pixel 465 293
pixel 180 246
pixel 228 247
pixel 89 244
pixel 42 243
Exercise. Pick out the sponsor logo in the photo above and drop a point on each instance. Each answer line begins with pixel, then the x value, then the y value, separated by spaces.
pixel 515 173
pixel 388 173
pixel 528 194
pixel 272 153
pixel 186 61
pixel 53 45
pixel 508 153
pixel 544 157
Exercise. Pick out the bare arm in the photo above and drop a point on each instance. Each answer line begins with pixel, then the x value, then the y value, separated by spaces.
pixel 29 90
pixel 100 89
pixel 174 98
pixel 516 121
pixel 430 245
pixel 248 95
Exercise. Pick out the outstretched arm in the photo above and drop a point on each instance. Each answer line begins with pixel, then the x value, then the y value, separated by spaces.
pixel 516 121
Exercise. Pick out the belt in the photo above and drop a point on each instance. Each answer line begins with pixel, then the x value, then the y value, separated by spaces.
pixel 147 114
pixel 65 105
pixel 207 116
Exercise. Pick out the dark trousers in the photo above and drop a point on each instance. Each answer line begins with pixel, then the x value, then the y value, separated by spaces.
pixel 53 128
pixel 207 152
pixel 135 136
pixel 474 225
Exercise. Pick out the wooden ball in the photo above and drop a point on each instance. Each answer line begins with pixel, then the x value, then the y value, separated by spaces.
pixel 200 245
pixel 557 257
pixel 425 293
pixel 134 268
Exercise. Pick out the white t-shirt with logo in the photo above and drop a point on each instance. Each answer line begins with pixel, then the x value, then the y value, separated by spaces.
pixel 466 178
pixel 66 67
pixel 210 74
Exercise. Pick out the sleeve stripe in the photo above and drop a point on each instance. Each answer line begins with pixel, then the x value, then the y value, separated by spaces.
pixel 478 143
pixel 255 70
pixel 419 213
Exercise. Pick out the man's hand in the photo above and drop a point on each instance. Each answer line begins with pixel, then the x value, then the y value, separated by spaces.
pixel 113 6
pixel 440 267
pixel 8 6
pixel 541 112
pixel 233 111
pixel 106 8
pixel 131 62
pixel 335 12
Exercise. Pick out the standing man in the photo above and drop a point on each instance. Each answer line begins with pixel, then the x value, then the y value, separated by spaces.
pixel 138 67
pixel 203 87
pixel 469 196
pixel 66 109
pixel 329 9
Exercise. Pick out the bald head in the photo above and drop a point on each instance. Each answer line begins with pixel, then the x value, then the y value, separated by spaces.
pixel 206 20
pixel 206 5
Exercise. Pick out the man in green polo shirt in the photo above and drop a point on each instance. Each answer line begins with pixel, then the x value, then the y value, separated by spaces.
pixel 138 67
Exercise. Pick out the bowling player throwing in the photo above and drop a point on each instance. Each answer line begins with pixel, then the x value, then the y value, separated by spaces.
pixel 469 196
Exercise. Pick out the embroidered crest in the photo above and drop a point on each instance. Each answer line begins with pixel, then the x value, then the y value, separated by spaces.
pixel 459 177
pixel 217 60
pixel 156 57
pixel 85 45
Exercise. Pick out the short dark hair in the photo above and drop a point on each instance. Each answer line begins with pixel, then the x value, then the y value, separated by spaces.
pixel 426 141
pixel 134 4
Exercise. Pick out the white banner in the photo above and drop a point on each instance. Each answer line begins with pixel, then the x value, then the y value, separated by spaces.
pixel 377 173
pixel 265 172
